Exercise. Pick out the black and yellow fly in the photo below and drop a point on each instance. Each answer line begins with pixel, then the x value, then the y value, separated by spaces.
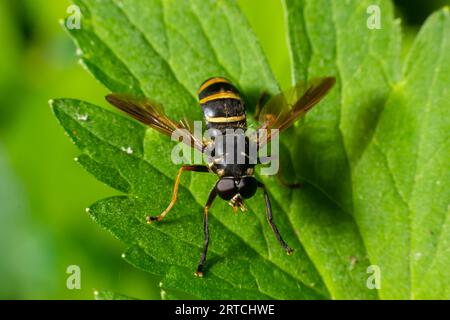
pixel 224 109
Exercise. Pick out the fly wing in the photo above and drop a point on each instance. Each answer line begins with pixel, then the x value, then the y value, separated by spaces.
pixel 152 114
pixel 282 110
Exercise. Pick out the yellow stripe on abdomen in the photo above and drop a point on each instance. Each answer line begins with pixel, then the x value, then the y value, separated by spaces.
pixel 211 82
pixel 225 119
pixel 220 95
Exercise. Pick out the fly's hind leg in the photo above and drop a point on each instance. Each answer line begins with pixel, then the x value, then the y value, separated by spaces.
pixel 195 168
pixel 259 103
pixel 280 178
pixel 212 196
pixel 283 181
pixel 272 223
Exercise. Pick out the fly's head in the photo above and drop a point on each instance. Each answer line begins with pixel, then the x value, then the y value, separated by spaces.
pixel 235 190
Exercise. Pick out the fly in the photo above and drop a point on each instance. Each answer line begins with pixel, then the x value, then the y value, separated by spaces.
pixel 224 109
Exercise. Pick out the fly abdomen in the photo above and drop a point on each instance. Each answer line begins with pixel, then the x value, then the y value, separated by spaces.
pixel 222 104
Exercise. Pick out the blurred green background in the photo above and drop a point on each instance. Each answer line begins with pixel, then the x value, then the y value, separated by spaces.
pixel 43 192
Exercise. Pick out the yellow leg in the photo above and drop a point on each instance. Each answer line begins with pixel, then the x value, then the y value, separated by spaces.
pixel 196 168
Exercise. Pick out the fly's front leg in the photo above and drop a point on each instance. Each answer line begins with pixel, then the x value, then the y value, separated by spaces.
pixel 271 222
pixel 212 196
pixel 195 168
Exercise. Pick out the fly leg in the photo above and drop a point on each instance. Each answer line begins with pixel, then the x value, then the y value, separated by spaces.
pixel 283 181
pixel 212 196
pixel 280 178
pixel 195 168
pixel 271 222
pixel 259 103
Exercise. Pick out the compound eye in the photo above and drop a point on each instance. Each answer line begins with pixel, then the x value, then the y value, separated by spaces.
pixel 226 188
pixel 247 187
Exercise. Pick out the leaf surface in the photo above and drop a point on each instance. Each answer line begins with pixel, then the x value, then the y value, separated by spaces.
pixel 371 156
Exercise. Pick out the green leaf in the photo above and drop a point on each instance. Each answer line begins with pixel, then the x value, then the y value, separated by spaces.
pixel 375 185
pixel 328 38
pixel 234 262
pixel 402 180
pixel 365 146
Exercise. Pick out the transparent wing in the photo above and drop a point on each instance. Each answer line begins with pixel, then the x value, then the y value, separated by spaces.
pixel 152 114
pixel 282 110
